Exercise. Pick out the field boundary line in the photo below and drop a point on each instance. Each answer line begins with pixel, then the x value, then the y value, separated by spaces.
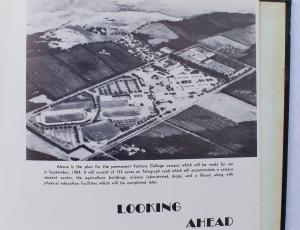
pixel 198 136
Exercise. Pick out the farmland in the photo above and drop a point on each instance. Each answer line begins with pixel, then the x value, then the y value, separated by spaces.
pixel 218 67
pixel 197 119
pixel 244 89
pixel 164 90
pixel 52 76
pixel 114 55
pixel 167 142
pixel 31 89
pixel 250 58
pixel 109 111
pixel 226 46
pixel 32 106
pixel 246 35
pixel 238 43
pixel 238 137
pixel 67 71
pixel 241 138
pixel 35 155
pixel 196 54
pixel 228 62
pixel 202 26
pixel 217 64
pixel 229 107
pixel 85 64
pixel 182 33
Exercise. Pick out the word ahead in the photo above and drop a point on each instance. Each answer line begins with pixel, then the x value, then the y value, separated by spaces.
pixel 210 222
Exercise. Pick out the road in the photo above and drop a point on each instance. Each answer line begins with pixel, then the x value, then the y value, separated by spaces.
pixel 159 120
pixel 91 87
pixel 163 119
pixel 118 76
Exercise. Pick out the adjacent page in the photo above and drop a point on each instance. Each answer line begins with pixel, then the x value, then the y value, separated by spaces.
pixel 139 115
pixel 274 37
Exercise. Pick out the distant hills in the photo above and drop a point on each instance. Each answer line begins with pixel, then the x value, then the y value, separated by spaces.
pixel 57 73
pixel 192 29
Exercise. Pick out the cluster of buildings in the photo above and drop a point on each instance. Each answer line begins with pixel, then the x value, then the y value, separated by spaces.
pixel 122 104
pixel 139 49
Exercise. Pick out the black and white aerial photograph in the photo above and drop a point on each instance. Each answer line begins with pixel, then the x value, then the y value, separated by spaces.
pixel 126 80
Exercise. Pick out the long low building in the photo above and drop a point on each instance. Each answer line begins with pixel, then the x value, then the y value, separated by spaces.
pixel 63 116
pixel 122 112
pixel 83 104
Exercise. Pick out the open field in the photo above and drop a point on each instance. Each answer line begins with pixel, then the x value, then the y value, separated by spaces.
pixel 229 107
pixel 250 58
pixel 39 149
pixel 38 156
pixel 244 89
pixel 218 67
pixel 31 89
pixel 133 96
pixel 202 26
pixel 196 54
pixel 32 106
pixel 38 144
pixel 99 131
pixel 246 35
pixel 225 46
pixel 157 33
pixel 228 62
pixel 216 64
pixel 166 142
pixel 52 76
pixel 197 119
pixel 88 65
pixel 216 42
pixel 70 29
pixel 241 138
pixel 60 73
pixel 238 137
pixel 116 57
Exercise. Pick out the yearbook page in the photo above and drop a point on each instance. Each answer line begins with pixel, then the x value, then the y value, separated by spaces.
pixel 135 114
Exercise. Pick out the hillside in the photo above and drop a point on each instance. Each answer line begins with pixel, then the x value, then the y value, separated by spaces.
pixel 184 32
pixel 205 25
pixel 57 71
pixel 62 72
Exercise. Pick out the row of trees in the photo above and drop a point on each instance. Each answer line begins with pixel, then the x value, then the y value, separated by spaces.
pixel 203 69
